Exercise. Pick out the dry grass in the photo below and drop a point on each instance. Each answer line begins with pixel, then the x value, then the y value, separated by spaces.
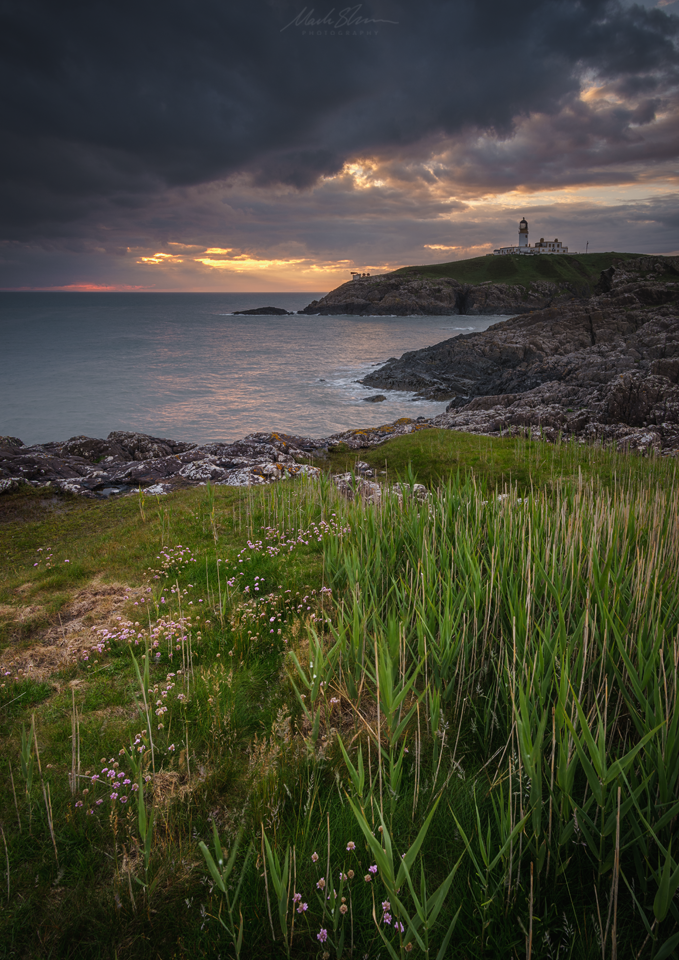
pixel 63 642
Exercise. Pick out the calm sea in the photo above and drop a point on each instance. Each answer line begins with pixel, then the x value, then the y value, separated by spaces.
pixel 180 365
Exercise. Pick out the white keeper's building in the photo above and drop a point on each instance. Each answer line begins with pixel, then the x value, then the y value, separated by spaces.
pixel 524 247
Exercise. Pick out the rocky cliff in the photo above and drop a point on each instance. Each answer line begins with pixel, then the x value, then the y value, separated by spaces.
pixel 417 296
pixel 606 367
pixel 408 293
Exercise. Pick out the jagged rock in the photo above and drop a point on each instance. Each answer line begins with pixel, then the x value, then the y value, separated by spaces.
pixel 579 342
pixel 128 461
pixel 378 398
pixel 606 368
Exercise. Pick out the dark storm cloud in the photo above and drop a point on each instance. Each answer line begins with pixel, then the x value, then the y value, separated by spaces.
pixel 105 106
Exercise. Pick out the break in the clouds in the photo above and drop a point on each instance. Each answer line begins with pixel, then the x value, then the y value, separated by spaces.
pixel 173 146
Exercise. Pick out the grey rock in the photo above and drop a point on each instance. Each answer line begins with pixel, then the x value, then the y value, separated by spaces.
pixel 263 312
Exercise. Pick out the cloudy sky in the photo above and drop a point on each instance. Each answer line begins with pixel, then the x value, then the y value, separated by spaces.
pixel 269 145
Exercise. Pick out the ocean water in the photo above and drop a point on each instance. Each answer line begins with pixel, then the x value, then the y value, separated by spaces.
pixel 180 365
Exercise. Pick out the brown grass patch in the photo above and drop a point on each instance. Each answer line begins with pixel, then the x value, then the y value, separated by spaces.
pixel 20 614
pixel 64 641
pixel 169 785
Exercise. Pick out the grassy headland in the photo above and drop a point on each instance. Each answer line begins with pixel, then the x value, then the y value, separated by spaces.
pixel 457 715
pixel 580 269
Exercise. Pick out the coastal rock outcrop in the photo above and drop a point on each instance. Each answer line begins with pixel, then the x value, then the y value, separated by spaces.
pixel 129 461
pixel 604 368
pixel 417 296
pixel 409 293
pixel 126 462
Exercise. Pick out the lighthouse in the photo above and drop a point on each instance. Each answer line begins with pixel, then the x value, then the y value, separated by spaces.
pixel 523 233
pixel 524 247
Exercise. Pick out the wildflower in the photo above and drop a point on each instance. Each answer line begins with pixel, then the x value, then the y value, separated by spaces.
pixel 351 846
pixel 343 909
pixel 123 799
pixel 322 936
pixel 386 918
pixel 314 857
pixel 350 874
pixel 114 796
pixel 367 878
pixel 321 884
pixel 399 927
pixel 79 803
pixel 386 905
pixel 297 897
pixel 343 876
pixel 408 947
pixel 302 908
pixel 373 869
pixel 99 802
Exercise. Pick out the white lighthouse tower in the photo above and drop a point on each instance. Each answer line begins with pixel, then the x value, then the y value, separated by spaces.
pixel 523 234
pixel 524 247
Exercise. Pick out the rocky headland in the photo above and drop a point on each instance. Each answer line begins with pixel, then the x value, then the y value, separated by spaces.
pixel 606 367
pixel 497 286
pixel 420 296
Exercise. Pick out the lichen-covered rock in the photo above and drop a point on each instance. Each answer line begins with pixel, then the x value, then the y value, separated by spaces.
pixel 356 487
pixel 129 461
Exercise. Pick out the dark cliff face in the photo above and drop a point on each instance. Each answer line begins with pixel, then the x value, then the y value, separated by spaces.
pixel 409 294
pixel 610 363
pixel 417 296
pixel 390 296
pixel 582 342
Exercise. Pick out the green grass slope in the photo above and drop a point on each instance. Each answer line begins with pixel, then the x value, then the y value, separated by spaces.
pixel 583 269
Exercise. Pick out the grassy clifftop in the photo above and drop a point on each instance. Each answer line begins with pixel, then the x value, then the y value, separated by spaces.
pixel 583 268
